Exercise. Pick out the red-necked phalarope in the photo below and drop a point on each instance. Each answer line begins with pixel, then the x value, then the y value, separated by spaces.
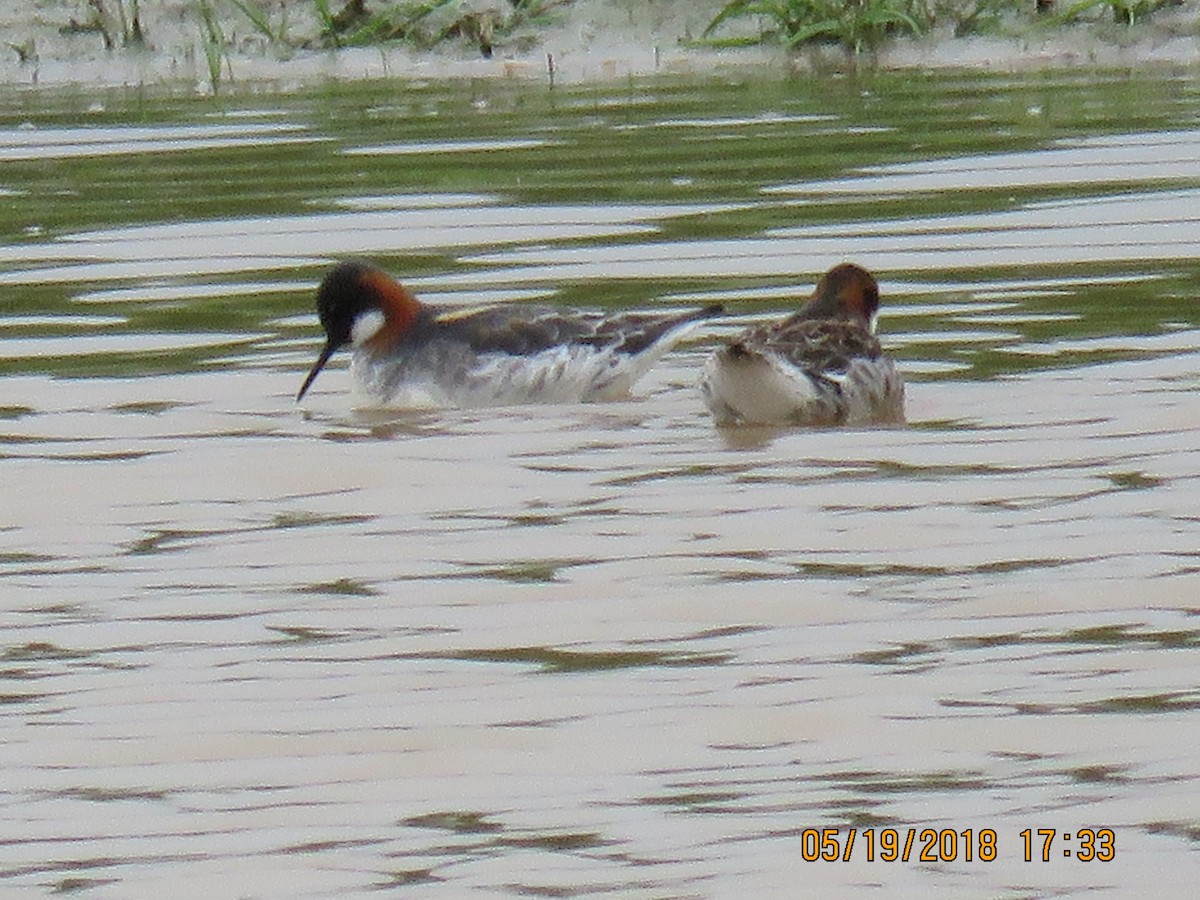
pixel 410 354
pixel 822 365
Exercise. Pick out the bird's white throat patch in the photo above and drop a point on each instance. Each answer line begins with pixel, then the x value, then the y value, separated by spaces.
pixel 366 326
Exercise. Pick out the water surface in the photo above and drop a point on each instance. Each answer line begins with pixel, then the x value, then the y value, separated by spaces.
pixel 259 650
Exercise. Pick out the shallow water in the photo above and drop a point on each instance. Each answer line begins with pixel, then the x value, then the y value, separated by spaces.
pixel 259 650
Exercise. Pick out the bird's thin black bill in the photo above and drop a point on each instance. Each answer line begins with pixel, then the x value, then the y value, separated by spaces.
pixel 326 352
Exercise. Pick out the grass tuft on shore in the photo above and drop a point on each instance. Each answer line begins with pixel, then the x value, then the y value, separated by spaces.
pixel 860 26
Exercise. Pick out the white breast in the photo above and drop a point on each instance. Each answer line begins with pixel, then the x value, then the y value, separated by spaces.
pixel 565 374
pixel 764 389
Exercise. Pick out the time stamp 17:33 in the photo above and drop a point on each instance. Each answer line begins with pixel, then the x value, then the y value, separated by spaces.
pixel 950 845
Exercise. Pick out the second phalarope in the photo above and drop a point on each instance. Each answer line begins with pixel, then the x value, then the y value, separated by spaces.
pixel 410 354
pixel 822 365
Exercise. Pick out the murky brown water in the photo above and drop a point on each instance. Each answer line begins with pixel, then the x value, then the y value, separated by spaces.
pixel 252 649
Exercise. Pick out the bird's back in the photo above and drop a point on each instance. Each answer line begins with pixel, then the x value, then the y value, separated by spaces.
pixel 804 371
pixel 513 354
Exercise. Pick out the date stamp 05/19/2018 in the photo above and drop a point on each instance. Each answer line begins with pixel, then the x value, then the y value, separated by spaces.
pixel 931 845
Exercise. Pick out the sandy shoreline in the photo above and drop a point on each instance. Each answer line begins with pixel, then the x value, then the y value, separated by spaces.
pixel 590 40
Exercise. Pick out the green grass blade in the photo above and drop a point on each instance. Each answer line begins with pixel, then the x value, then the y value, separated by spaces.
pixel 258 18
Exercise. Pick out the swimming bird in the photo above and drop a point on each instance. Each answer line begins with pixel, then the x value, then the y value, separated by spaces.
pixel 411 354
pixel 822 365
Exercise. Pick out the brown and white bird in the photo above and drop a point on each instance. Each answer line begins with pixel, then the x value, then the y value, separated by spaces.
pixel 822 365
pixel 411 354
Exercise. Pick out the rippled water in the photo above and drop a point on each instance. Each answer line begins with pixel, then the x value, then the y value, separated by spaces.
pixel 259 650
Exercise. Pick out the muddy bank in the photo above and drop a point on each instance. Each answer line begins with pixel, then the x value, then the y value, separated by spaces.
pixel 56 42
